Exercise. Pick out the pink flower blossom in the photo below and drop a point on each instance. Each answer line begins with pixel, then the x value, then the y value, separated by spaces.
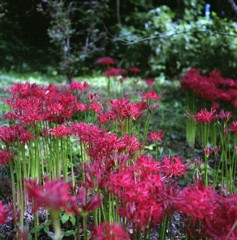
pixel 5 157
pixel 79 86
pixel 150 81
pixel 150 95
pixel 114 72
pixel 53 194
pixel 204 116
pixel 156 136
pixel 106 61
pixel 60 131
pixel 134 70
pixel 3 213
pixel 109 231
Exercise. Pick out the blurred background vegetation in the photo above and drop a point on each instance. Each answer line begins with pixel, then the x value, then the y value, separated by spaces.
pixel 162 37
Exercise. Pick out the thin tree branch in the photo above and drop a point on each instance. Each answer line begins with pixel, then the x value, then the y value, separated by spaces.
pixel 162 36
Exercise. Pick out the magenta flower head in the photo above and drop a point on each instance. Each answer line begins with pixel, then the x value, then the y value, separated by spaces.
pixel 150 95
pixel 114 72
pixel 156 136
pixel 106 61
pixel 173 167
pixel 150 81
pixel 204 116
pixel 79 86
pixel 61 131
pixel 3 213
pixel 55 195
pixel 5 157
pixel 233 126
pixel 134 70
pixel 82 204
pixel 109 231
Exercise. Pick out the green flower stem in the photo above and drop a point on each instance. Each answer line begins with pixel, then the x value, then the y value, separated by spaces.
pixel 71 163
pixel 139 233
pixel 206 169
pixel 78 234
pixel 36 223
pixel 13 185
pixel 163 229
pixel 64 147
pixel 56 223
pixel 108 87
pixel 190 124
pixel 85 226
pixel 20 194
pixel 146 128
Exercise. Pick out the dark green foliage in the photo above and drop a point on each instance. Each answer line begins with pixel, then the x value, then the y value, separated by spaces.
pixel 157 36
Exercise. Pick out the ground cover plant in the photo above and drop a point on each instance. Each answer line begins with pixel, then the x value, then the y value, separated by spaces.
pixel 80 166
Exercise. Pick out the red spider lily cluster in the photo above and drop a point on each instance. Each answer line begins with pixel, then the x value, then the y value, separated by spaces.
pixel 114 72
pixel 70 152
pixel 211 87
pixel 3 213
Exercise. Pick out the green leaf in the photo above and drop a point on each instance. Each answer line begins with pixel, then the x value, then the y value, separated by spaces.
pixel 69 233
pixel 65 218
pixel 46 229
pixel 73 220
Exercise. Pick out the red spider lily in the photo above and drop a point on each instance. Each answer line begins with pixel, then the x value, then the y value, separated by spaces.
pixel 27 110
pixel 109 231
pixel 78 86
pixel 156 136
pixel 148 163
pixel 224 115
pixel 60 108
pixel 122 79
pixel 80 107
pixel 122 109
pixel 5 157
pixel 233 126
pixel 130 143
pixel 103 118
pixel 24 90
pixel 215 77
pixel 15 133
pixel 100 144
pixel 42 103
pixel 209 150
pixel 173 167
pixel 60 131
pixel 190 79
pixel 215 105
pixel 86 132
pixel 114 72
pixel 150 81
pixel 94 106
pixel 106 61
pixel 134 70
pixel 54 194
pixel 204 116
pixel 3 213
pixel 224 97
pixel 197 202
pixel 150 95
pixel 93 96
pixel 139 189
pixel 95 176
pixel 232 93
pixel 82 205
pixel 221 224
